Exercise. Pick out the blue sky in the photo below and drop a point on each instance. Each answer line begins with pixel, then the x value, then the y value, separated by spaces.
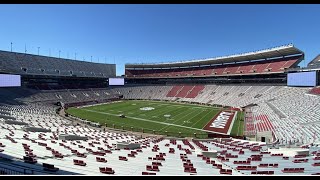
pixel 157 33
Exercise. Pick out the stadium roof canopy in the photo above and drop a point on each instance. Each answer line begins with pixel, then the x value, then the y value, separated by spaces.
pixel 281 51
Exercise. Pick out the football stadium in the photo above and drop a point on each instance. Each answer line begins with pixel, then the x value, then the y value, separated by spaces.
pixel 251 113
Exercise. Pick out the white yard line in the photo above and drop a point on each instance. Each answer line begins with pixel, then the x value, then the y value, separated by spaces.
pixel 184 105
pixel 194 115
pixel 180 119
pixel 141 119
pixel 201 118
pixel 174 115
pixel 164 128
pixel 183 116
pixel 163 110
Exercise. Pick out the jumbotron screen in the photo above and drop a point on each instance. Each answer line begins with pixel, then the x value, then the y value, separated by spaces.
pixel 9 80
pixel 302 79
pixel 116 81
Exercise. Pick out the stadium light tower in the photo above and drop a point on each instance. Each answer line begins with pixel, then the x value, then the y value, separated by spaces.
pixel 11 46
pixel 59 54
pixel 38 50
pixel 75 56
pixel 91 58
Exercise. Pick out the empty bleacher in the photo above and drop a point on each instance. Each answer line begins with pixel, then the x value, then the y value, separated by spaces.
pixel 21 63
pixel 245 68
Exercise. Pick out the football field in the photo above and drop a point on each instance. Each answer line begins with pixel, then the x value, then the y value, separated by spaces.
pixel 162 117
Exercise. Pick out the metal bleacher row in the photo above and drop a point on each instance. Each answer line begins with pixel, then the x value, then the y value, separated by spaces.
pixel 291 113
pixel 21 63
pixel 271 66
pixel 44 153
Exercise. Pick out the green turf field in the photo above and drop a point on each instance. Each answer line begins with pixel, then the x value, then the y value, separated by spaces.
pixel 184 118
pixel 238 125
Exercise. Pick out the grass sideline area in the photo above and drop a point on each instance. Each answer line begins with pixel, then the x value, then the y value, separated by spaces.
pixel 150 115
pixel 238 126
